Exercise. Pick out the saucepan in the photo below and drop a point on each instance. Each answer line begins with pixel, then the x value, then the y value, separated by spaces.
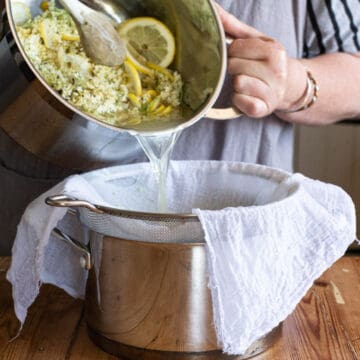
pixel 43 122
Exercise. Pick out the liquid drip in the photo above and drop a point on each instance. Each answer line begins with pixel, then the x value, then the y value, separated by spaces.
pixel 158 149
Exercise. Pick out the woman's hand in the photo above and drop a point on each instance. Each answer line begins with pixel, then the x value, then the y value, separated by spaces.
pixel 265 79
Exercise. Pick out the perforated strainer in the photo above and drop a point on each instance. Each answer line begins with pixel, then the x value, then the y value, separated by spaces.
pixel 133 225
pixel 124 198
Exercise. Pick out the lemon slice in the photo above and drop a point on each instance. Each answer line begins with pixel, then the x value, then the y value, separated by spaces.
pixel 20 12
pixel 147 40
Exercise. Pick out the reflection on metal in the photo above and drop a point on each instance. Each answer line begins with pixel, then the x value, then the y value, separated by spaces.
pixel 198 295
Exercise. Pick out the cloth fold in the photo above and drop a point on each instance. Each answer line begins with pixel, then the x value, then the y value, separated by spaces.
pixel 35 262
pixel 263 259
pixel 262 255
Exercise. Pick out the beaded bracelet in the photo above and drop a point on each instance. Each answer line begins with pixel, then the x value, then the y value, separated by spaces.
pixel 312 93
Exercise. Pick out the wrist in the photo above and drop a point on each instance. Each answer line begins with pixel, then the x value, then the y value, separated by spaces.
pixel 297 86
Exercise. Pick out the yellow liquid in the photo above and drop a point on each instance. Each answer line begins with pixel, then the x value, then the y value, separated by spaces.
pixel 158 149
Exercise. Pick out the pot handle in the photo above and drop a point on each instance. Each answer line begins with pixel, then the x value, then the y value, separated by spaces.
pixel 226 113
pixel 70 202
pixel 86 260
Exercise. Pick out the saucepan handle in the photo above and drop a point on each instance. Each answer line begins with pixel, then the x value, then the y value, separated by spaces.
pixel 86 258
pixel 226 113
pixel 223 114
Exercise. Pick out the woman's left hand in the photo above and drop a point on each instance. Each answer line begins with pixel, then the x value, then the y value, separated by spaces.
pixel 265 78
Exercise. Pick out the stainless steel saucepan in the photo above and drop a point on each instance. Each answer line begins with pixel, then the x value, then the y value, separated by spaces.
pixel 40 120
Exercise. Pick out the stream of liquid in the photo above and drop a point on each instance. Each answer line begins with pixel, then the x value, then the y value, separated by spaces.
pixel 158 149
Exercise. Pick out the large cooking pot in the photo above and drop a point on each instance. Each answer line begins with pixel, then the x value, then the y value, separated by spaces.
pixel 40 120
pixel 148 300
pixel 147 291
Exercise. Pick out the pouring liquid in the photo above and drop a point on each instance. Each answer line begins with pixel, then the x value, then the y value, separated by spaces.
pixel 158 149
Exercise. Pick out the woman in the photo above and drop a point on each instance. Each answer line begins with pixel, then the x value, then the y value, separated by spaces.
pixel 282 52
pixel 268 63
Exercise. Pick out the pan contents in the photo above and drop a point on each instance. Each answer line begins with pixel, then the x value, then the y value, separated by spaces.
pixel 142 89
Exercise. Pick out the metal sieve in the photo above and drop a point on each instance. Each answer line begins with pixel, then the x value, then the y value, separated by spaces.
pixel 133 225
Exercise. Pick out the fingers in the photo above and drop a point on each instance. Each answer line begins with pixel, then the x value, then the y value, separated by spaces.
pixel 250 106
pixel 255 48
pixel 246 85
pixel 254 69
pixel 259 67
pixel 235 27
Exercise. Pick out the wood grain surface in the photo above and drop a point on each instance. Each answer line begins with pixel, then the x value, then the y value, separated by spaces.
pixel 325 325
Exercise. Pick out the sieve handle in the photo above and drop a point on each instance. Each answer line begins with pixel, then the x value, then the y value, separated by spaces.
pixel 86 258
pixel 71 202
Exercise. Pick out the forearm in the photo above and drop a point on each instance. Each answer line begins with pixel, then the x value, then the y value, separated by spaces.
pixel 338 76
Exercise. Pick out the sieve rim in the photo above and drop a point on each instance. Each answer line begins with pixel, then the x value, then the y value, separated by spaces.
pixel 144 215
pixel 78 204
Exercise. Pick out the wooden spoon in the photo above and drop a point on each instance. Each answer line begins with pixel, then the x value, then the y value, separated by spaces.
pixel 100 40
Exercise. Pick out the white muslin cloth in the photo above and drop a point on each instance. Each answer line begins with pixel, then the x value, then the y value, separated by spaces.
pixel 269 234
pixel 263 259
pixel 38 257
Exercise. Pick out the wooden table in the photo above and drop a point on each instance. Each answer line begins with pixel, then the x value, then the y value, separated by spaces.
pixel 325 325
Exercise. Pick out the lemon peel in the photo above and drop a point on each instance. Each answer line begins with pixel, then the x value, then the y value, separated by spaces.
pixel 167 110
pixel 46 33
pixel 152 93
pixel 134 77
pixel 70 37
pixel 159 110
pixel 153 105
pixel 134 100
pixel 139 67
pixel 161 69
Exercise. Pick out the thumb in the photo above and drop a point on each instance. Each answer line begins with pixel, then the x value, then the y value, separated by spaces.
pixel 234 27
